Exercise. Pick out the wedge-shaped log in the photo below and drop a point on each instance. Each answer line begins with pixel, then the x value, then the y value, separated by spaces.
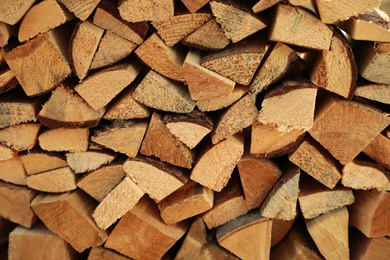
pixel 12 11
pixel 194 6
pixel 333 123
pixel 37 161
pixel 69 215
pixel 262 5
pixel 149 10
pixel 379 150
pixel 20 137
pixel 234 236
pixel 366 248
pixel 7 31
pixel 144 220
pixel 56 181
pixel 81 10
pixel 12 171
pixel 280 229
pixel 170 149
pixel 64 139
pixel 374 92
pixel 297 26
pixel 102 253
pixel 89 160
pixel 155 178
pixel 15 204
pixel 6 152
pixel 7 79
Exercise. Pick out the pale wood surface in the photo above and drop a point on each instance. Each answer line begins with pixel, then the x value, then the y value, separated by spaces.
pixel 37 161
pixel 64 139
pixel 148 10
pixel 12 11
pixel 194 5
pixel 89 160
pixel 20 137
pixel 6 152
pixel 6 32
pixel 379 150
pixel 54 181
pixel 261 5
pixel 81 9
pixel 12 171
pixel 7 78
pixel 375 92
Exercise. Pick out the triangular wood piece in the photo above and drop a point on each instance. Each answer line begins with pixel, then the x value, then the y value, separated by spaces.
pixel 280 229
pixel 64 139
pixel 379 150
pixel 261 5
pixel 102 253
pixel 7 31
pixel 81 10
pixel 194 6
pixel 6 153
pixel 7 80
pixel 12 171
pixel 37 161
pixel 375 92
pixel 12 11
pixel 20 137
pixel 149 10
pixel 87 161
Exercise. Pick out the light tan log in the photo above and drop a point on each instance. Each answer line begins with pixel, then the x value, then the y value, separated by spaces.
pixel 6 32
pixel 154 86
pixel 189 128
pixel 12 171
pixel 175 28
pixel 330 233
pixel 334 120
pixel 102 253
pixel 149 10
pixel 228 205
pixel 379 150
pixel 262 5
pixel 12 11
pixel 40 64
pixel 112 48
pixel 6 227
pixel 317 162
pixel 41 18
pixel 307 4
pixel 331 12
pixel 297 26
pixel 37 243
pixel 165 60
pixel 64 139
pixel 208 37
pixel 143 220
pixel 368 213
pixel 89 160
pixel 15 204
pixel 281 201
pixel 374 92
pixel 280 229
pixel 69 216
pixel 237 19
pixel 119 201
pixel 6 152
pixel 257 176
pixel 217 162
pixel 36 161
pixel 366 248
pixel 234 236
pixel 155 178
pixel 20 137
pixel 81 9
pixel 171 149
pixel 201 81
pixel 83 44
pixel 188 201
pixel 194 5
pixel 7 79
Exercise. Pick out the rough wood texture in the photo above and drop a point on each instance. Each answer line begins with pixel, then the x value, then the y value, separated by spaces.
pixel 365 248
pixel 81 9
pixel 143 221
pixel 20 137
pixel 261 5
pixel 12 11
pixel 374 92
pixel 12 171
pixel 7 79
pixel 37 161
pixel 194 5
pixel 149 10
pixel 6 153
pixel 64 139
pixel 89 160
pixel 379 150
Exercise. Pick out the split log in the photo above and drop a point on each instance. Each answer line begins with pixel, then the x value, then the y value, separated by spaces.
pixel 188 201
pixel 64 139
pixel 101 253
pixel 12 11
pixel 236 18
pixel 257 176
pixel 6 32
pixel 89 160
pixel 69 216
pixel 81 10
pixel 375 92
pixel 280 229
pixel 6 153
pixel 334 121
pixel 119 201
pixel 194 6
pixel 299 27
pixel 155 178
pixel 37 161
pixel 149 10
pixel 262 5
pixel 215 173
pixel 15 204
pixel 143 221
pixel 41 18
pixel 234 236
pixel 379 150
pixel 365 248
pixel 20 137
pixel 368 213
pixel 7 79
pixel 37 243
pixel 171 149
pixel 12 171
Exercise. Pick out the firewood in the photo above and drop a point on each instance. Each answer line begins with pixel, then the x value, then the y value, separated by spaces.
pixel 165 60
pixel 269 141
pixel 81 10
pixel 257 176
pixel 379 150
pixel 120 200
pixel 143 220
pixel 15 204
pixel 101 253
pixel 37 161
pixel 201 81
pixel 194 6
pixel 374 92
pixel 83 44
pixel 331 12
pixel 363 175
pixel 189 128
pixel 208 37
pixel 155 178
pixel 89 160
pixel 234 236
pixel 316 199
pixel 102 86
pixel 317 162
pixel 12 171
pixel 299 27
pixel 340 78
pixel 236 18
pixel 215 174
pixel 100 182
pixel 41 18
pixel 6 153
pixel 12 11
pixel 366 248
pixel 281 201
pixel 155 86
pixel 20 137
pixel 170 149
pixel 368 212
pixel 150 10
pixel 280 229
pixel 188 201
pixel 7 80
pixel 6 31
pixel 330 233
pixel 228 205
pixel 56 181
pixel 37 243
pixel 261 5
pixel 6 227
pixel 64 139
pixel 69 216
pixel 40 64
pixel 112 48
pixel 175 28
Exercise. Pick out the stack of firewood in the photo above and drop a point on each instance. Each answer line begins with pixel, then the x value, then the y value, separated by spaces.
pixel 194 129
